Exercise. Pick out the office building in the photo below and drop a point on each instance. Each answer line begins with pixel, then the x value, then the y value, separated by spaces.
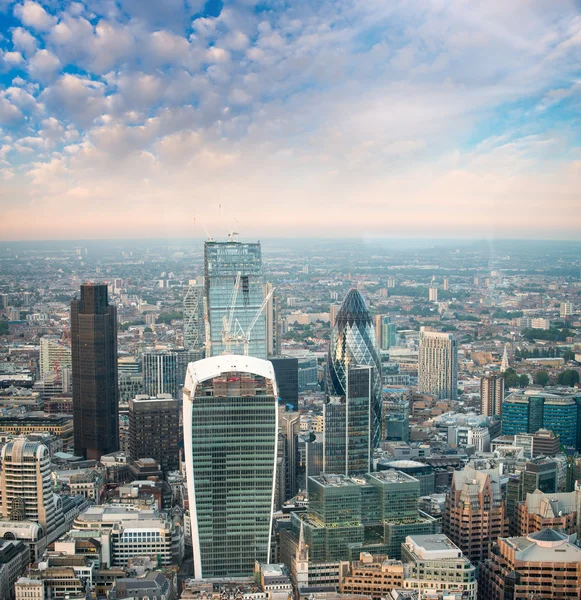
pixel 26 485
pixel 534 409
pixel 545 443
pixel 491 395
pixel 353 343
pixel 396 420
pixel 135 533
pixel 346 516
pixel 545 565
pixel 542 511
pixel 231 427
pixel 423 472
pixel 164 371
pixel 537 474
pixel 94 365
pixel 433 563
pixel 289 422
pixel 474 514
pixel 54 355
pixel 348 444
pixel 371 575
pixel 273 322
pixel 566 310
pixel 233 299
pixel 286 371
pixel 438 364
pixel 27 588
pixel 14 559
pixel 194 336
pixel 154 430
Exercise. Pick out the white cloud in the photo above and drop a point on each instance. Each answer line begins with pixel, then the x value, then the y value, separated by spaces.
pixel 33 15
pixel 43 66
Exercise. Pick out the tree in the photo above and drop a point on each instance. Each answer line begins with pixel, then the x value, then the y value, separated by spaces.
pixel 4 329
pixel 568 355
pixel 569 377
pixel 523 381
pixel 511 379
pixel 541 378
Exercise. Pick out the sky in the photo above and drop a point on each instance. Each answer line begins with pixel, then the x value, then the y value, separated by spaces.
pixel 143 118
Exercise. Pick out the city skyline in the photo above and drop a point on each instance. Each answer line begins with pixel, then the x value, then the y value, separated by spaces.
pixel 343 118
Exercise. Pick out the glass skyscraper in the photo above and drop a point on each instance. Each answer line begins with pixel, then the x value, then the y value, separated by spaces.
pixel 354 343
pixel 230 433
pixel 223 261
pixel 347 445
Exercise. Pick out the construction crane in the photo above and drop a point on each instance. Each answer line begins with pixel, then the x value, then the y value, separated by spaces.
pixel 227 337
pixel 244 337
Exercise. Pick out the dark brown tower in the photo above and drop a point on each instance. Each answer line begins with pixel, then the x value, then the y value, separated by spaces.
pixel 94 363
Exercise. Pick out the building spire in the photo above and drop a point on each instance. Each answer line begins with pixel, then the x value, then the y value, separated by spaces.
pixel 505 360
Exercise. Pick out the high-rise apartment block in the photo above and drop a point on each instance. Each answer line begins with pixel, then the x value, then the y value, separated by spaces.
pixel 94 365
pixel 433 294
pixel 385 331
pixel 438 364
pixel 234 295
pixel 354 343
pixel 491 395
pixel 545 565
pixel 566 309
pixel 230 424
pixel 154 430
pixel 474 514
pixel 194 337
pixel 348 443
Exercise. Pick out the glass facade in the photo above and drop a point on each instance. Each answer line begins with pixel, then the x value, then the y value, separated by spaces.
pixel 353 342
pixel 194 317
pixel 525 413
pixel 348 420
pixel 222 263
pixel 373 514
pixel 164 372
pixel 230 425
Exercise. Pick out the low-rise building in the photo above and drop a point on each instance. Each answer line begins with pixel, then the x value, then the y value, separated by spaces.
pixel 434 564
pixel 14 558
pixel 373 576
pixel 27 588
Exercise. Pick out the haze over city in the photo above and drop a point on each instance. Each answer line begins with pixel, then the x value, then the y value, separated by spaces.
pixel 140 118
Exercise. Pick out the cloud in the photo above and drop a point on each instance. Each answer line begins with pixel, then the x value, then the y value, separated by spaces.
pixel 33 15
pixel 24 41
pixel 43 66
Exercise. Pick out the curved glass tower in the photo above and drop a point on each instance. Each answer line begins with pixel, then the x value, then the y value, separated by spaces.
pixel 354 343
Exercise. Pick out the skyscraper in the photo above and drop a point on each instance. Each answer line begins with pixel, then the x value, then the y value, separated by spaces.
pixel 438 364
pixel 385 331
pixel 347 441
pixel 194 317
pixel 354 343
pixel 491 395
pixel 231 437
pixel 164 371
pixel 94 365
pixel 233 292
pixel 26 485
pixel 286 370
pixel 154 430
pixel 273 324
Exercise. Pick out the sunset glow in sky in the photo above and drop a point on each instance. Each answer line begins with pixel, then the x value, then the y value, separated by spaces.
pixel 135 118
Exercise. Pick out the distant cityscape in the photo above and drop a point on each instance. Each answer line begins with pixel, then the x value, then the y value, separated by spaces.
pixel 233 419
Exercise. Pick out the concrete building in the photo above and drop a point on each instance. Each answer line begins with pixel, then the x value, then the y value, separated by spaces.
pixel 438 364
pixel 26 485
pixel 474 513
pixel 27 588
pixel 433 294
pixel 491 395
pixel 434 564
pixel 373 576
pixel 566 309
pixel 14 558
pixel 54 355
pixel 135 533
pixel 545 565
pixel 154 430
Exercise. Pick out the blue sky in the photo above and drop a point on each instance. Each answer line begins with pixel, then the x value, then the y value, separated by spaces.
pixel 140 118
